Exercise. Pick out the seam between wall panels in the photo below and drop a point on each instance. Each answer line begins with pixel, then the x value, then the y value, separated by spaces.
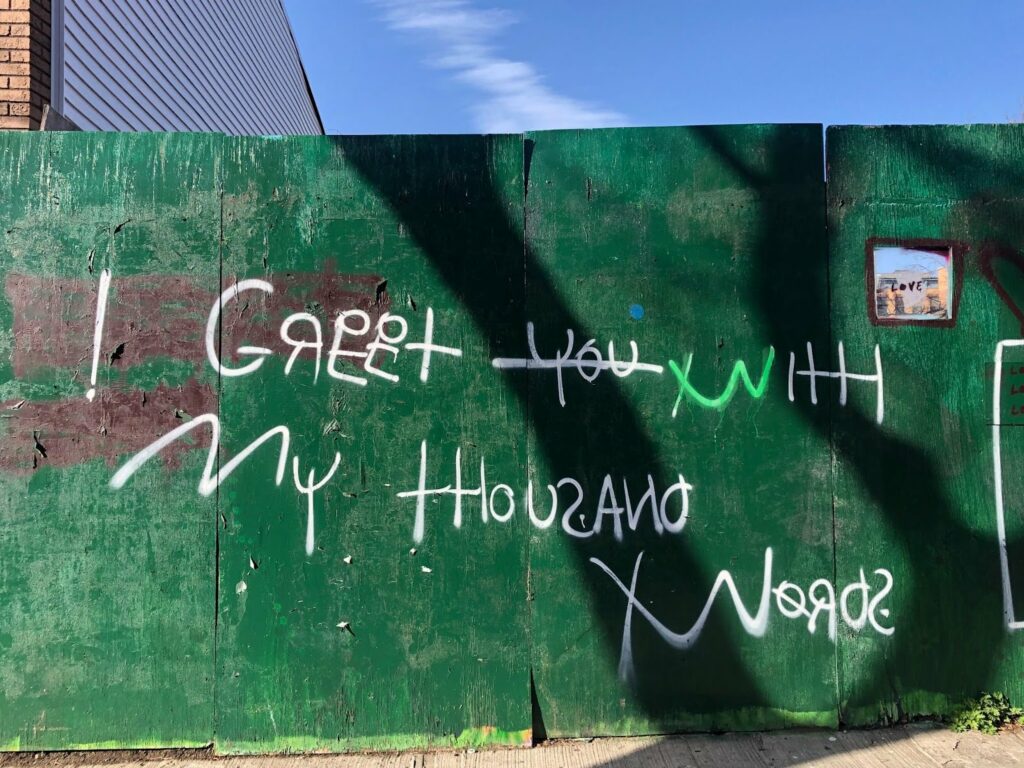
pixel 525 156
pixel 218 514
pixel 831 413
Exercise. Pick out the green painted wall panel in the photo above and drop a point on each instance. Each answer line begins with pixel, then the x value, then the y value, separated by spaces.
pixel 435 648
pixel 918 489
pixel 677 240
pixel 107 635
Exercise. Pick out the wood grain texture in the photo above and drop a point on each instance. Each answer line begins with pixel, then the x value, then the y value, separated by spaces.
pixel 107 636
pixel 706 231
pixel 919 489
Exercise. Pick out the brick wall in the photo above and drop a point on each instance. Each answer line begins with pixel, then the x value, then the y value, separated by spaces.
pixel 24 62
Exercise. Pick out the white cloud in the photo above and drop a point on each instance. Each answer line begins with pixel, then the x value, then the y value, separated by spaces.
pixel 515 97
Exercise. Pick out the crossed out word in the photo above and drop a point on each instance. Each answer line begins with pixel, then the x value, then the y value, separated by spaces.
pixel 588 361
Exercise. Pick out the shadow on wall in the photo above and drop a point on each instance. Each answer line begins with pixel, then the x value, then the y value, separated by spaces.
pixel 924 521
pixel 472 204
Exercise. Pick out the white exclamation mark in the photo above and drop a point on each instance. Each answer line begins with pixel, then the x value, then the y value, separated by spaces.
pixel 97 331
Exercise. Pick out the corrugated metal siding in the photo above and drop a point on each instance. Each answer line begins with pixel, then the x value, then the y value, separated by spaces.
pixel 184 65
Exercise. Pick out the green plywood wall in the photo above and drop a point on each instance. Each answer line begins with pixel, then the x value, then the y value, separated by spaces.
pixel 198 593
pixel 920 486
pixel 108 596
pixel 675 239
pixel 435 650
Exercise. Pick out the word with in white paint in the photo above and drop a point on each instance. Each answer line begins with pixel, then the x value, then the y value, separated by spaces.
pixel 844 377
pixel 588 361
pixel 499 503
pixel 384 339
pixel 859 604
pixel 209 482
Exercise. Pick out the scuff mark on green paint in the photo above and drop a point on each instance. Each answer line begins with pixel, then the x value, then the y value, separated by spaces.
pixel 739 372
pixel 488 734
pixel 740 720
pixel 482 736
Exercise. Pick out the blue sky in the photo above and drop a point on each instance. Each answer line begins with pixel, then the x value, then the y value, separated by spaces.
pixel 469 66
pixel 892 259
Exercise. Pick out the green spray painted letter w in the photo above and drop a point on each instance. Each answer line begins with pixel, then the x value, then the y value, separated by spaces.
pixel 739 373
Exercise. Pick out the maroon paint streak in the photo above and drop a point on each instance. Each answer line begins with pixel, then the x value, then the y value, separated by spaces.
pixel 151 316
pixel 62 433
pixel 165 316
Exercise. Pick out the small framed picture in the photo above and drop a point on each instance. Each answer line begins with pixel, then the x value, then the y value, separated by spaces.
pixel 912 282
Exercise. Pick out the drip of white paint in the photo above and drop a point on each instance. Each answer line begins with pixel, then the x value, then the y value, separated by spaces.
pixel 841 373
pixel 458 491
pixel 309 489
pixel 812 373
pixel 880 407
pixel 97 331
pixel 421 504
pixel 792 367
pixel 626 668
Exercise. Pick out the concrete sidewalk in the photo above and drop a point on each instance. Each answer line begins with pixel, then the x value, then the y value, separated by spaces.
pixel 915 745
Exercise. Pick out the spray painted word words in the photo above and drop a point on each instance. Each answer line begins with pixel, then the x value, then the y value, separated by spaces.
pixel 859 604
